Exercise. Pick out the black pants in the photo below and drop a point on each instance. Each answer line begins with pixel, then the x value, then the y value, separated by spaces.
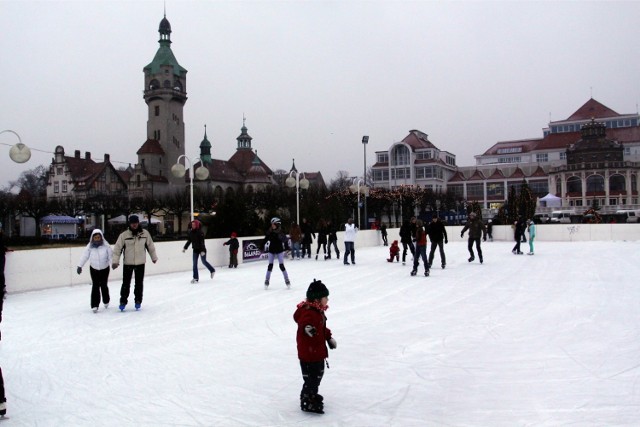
pixel 434 245
pixel 516 248
pixel 233 259
pixel 384 240
pixel 2 280
pixel 3 398
pixel 406 245
pixel 99 279
pixel 335 246
pixel 312 373
pixel 470 246
pixel 127 272
pixel 421 252
pixel 306 249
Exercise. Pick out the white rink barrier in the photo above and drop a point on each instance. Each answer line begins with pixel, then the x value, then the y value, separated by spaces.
pixel 30 270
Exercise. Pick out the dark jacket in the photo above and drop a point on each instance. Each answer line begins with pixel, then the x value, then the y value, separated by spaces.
pixel 476 229
pixel 322 234
pixel 311 349
pixel 437 231
pixel 233 245
pixel 307 232
pixel 195 238
pixel 405 233
pixel 277 241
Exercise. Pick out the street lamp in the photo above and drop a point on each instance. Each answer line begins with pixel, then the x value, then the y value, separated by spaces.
pixel 178 170
pixel 19 153
pixel 365 141
pixel 357 187
pixel 298 183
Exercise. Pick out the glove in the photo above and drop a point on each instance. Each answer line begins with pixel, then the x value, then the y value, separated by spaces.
pixel 485 238
pixel 310 330
pixel 184 250
pixel 114 266
pixel 79 270
pixel 203 253
pixel 461 234
pixel 446 241
pixel 332 343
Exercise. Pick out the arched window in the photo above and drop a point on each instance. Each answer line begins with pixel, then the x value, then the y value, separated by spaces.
pixel 177 85
pixel 400 155
pixel 595 183
pixel 155 84
pixel 230 192
pixel 218 192
pixel 574 185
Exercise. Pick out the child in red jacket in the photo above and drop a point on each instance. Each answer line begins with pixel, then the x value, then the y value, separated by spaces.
pixel 312 339
pixel 394 252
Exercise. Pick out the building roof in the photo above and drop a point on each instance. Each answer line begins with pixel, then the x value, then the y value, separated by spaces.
pixel 591 109
pixel 418 140
pixel 151 146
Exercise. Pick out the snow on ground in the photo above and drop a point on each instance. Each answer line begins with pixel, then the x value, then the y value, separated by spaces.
pixel 544 340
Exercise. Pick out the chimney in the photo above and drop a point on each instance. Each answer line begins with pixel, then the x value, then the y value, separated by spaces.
pixel 107 158
pixel 87 155
pixel 76 154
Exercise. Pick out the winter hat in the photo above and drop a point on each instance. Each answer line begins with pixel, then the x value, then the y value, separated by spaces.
pixel 196 224
pixel 233 234
pixel 133 219
pixel 395 242
pixel 275 220
pixel 317 290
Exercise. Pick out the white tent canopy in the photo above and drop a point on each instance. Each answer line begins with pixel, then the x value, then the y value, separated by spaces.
pixel 122 219
pixel 551 201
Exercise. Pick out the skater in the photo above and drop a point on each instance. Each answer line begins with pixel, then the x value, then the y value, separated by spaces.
pixel 295 235
pixel 322 238
pixel 312 338
pixel 490 230
pixel 307 237
pixel 133 244
pixel 350 231
pixel 275 243
pixel 3 252
pixel 100 255
pixel 438 236
pixel 383 234
pixel 476 231
pixel 421 249
pixel 532 235
pixel 195 238
pixel 332 239
pixel 233 250
pixel 3 397
pixel 406 239
pixel 394 252
pixel 518 233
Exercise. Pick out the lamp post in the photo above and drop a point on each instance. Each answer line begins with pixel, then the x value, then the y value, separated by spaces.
pixel 298 183
pixel 365 141
pixel 357 187
pixel 19 152
pixel 178 170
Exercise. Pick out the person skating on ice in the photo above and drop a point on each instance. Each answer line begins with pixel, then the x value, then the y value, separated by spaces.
pixel 350 231
pixel 195 238
pixel 438 236
pixel 322 238
pixel 234 245
pixel 532 235
pixel 518 232
pixel 100 256
pixel 133 244
pixel 312 338
pixel 332 239
pixel 477 230
pixel 406 238
pixel 421 249
pixel 275 244
pixel 394 252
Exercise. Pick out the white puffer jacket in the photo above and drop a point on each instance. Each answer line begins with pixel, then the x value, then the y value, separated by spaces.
pixel 99 257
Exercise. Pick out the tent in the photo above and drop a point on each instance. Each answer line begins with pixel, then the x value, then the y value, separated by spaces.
pixel 551 201
pixel 59 227
pixel 122 219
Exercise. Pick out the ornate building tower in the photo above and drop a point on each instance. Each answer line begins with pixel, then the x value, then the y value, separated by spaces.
pixel 165 93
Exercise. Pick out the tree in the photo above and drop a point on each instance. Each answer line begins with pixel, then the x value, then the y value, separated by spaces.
pixel 32 199
pixel 526 201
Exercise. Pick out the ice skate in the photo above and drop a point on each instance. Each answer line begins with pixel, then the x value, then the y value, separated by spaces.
pixel 480 260
pixel 288 283
pixel 471 258
pixel 530 253
pixel 443 266
pixel 414 272
pixel 122 306
pixel 106 305
pixel 137 306
pixel 194 280
pixel 426 273
pixel 266 284
pixel 212 274
pixel 94 309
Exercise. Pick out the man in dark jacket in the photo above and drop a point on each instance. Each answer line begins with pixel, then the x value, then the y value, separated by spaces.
pixel 438 236
pixel 406 238
pixel 476 231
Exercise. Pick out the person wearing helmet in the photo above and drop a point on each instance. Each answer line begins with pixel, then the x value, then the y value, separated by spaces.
pixel 276 243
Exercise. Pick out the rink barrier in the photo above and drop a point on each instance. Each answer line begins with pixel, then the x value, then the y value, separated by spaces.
pixel 36 269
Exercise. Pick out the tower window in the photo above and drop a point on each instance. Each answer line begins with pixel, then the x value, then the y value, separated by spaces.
pixel 157 110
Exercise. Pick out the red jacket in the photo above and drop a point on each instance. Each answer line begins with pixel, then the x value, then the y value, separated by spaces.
pixel 311 349
pixel 394 249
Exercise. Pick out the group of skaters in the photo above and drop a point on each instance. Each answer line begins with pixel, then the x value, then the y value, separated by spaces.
pixel 520 227
pixel 414 236
pixel 302 236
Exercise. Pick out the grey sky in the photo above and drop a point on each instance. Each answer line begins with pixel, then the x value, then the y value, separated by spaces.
pixel 311 77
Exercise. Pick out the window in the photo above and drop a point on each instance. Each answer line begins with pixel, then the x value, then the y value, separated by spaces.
pixel 510 150
pixel 455 190
pixel 59 171
pixel 423 155
pixel 64 186
pixel 382 157
pixel 401 155
pixel 400 173
pixel 381 175
pixel 539 188
pixel 450 160
pixel 542 158
pixel 617 183
pixel 574 185
pixel 495 189
pixel 516 159
pixel 56 187
pixel 157 110
pixel 563 155
pixel 595 183
pixel 475 191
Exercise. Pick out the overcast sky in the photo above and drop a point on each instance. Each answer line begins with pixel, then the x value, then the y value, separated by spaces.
pixel 311 77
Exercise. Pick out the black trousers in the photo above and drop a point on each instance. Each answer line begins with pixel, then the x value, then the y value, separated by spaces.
pixel 127 272
pixel 99 279
pixel 434 245
pixel 3 398
pixel 312 373
pixel 406 245
pixel 470 246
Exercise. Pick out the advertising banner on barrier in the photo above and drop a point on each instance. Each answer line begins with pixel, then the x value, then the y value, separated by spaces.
pixel 252 250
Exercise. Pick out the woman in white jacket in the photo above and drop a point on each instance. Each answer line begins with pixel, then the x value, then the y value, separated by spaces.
pixel 99 254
